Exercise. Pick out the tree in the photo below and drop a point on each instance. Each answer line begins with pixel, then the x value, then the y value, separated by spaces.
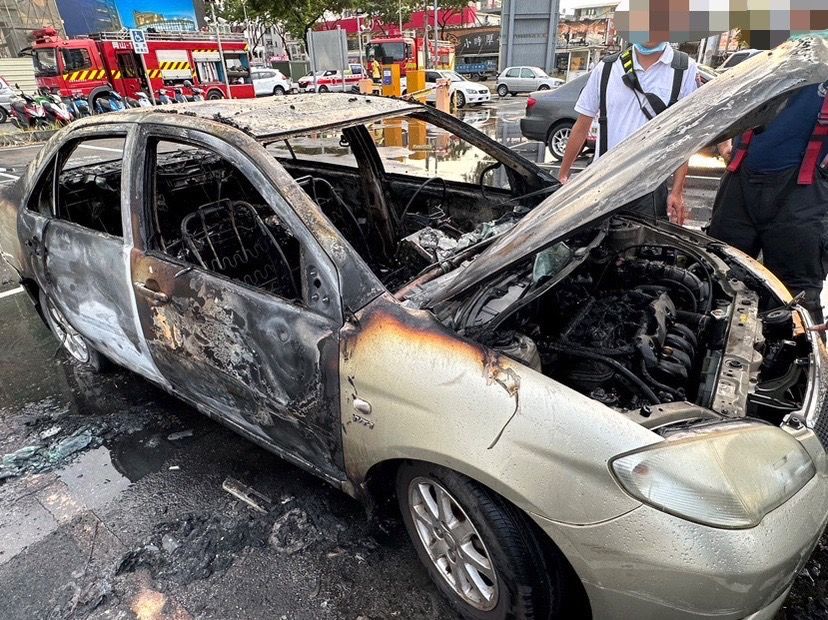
pixel 446 11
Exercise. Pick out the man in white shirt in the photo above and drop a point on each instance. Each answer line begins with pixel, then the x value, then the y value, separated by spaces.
pixel 640 83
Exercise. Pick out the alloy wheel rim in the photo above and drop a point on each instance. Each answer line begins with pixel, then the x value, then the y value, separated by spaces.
pixel 559 141
pixel 453 543
pixel 71 340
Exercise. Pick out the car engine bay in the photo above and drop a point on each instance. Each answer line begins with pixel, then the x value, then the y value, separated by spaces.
pixel 639 320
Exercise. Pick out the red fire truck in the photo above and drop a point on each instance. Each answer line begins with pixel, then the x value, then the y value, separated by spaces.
pixel 409 53
pixel 91 64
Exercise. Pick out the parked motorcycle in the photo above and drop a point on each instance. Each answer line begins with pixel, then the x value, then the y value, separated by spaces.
pixel 179 95
pixel 56 110
pixel 26 113
pixel 143 100
pixel 109 102
pixel 79 106
pixel 198 94
pixel 164 96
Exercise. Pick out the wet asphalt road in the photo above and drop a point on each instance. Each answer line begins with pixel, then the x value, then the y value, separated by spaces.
pixel 119 510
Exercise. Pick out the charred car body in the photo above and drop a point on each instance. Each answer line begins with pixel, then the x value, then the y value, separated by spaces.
pixel 578 410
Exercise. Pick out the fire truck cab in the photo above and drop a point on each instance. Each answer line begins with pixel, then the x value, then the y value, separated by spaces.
pixel 410 53
pixel 91 64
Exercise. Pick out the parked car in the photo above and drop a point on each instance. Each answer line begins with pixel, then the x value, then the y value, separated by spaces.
pixel 331 80
pixel 577 410
pixel 513 80
pixel 271 82
pixel 7 93
pixel 464 91
pixel 550 116
pixel 735 58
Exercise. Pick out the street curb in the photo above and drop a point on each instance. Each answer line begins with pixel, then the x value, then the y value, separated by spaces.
pixel 20 138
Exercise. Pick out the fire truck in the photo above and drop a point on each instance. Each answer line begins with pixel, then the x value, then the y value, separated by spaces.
pixel 409 53
pixel 91 64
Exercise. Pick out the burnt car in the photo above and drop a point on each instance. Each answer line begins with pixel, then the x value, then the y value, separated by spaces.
pixel 580 412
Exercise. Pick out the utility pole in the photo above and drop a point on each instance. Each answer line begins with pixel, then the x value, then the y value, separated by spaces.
pixel 359 40
pixel 436 53
pixel 223 64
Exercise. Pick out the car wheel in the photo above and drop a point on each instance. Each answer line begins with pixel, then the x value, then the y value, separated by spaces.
pixel 75 345
pixel 459 100
pixel 4 116
pixel 543 87
pixel 558 139
pixel 477 548
pixel 278 91
pixel 323 89
pixel 213 95
pixel 502 90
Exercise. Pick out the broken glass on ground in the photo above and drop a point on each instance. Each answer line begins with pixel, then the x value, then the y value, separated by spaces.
pixel 38 458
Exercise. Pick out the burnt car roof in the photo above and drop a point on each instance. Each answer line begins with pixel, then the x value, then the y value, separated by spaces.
pixel 273 117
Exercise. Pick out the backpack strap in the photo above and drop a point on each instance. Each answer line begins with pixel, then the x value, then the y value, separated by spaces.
pixel 680 64
pixel 740 151
pixel 606 70
pixel 819 137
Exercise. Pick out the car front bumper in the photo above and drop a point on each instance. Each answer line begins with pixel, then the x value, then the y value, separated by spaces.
pixel 478 97
pixel 534 128
pixel 647 564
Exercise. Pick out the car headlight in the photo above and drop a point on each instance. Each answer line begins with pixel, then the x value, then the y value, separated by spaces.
pixel 727 476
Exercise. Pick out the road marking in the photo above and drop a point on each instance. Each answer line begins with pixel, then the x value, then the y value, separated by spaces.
pixel 14 291
pixel 9 176
pixel 99 148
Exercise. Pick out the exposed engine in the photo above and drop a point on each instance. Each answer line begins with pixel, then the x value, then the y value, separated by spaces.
pixel 633 321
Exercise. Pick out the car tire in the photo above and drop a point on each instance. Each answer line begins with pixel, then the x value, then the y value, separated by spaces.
pixel 558 138
pixel 215 95
pixel 502 90
pixel 543 87
pixel 524 584
pixel 278 91
pixel 323 89
pixel 70 340
pixel 4 116
pixel 459 100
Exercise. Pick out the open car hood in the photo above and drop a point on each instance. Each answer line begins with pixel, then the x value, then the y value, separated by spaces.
pixel 749 95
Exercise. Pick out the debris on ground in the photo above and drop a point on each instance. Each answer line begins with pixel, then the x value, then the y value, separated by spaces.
pixel 808 599
pixel 250 496
pixel 180 435
pixel 38 458
pixel 195 546
pixel 293 532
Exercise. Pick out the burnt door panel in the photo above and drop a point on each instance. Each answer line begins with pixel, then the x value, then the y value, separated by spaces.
pixel 86 278
pixel 264 364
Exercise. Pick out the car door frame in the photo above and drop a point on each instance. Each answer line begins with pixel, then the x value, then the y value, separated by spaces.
pixel 320 419
pixel 125 346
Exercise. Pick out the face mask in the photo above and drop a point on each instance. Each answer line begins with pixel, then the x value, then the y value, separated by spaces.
pixel 642 49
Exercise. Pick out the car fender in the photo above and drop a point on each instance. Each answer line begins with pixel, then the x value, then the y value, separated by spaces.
pixel 412 389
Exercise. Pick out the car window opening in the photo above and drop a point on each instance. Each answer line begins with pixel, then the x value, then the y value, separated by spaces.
pixel 208 214
pixel 440 194
pixel 89 189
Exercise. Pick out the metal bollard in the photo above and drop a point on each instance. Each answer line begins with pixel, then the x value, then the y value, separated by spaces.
pixel 443 96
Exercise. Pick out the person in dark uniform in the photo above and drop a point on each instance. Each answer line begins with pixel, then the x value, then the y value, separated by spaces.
pixel 774 197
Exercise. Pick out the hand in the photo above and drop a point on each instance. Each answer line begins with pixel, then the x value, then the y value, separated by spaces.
pixel 564 179
pixel 675 208
pixel 822 328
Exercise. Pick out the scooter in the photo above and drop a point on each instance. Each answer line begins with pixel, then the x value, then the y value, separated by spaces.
pixel 198 94
pixel 143 100
pixel 26 113
pixel 179 95
pixel 110 102
pixel 164 97
pixel 79 106
pixel 56 110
